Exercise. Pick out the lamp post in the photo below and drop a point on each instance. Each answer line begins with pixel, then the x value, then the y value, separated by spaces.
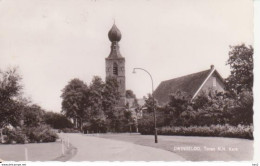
pixel 154 111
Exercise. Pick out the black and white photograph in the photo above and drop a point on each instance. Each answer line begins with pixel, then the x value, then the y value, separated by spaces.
pixel 148 80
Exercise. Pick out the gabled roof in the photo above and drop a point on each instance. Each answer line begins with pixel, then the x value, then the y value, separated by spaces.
pixel 189 84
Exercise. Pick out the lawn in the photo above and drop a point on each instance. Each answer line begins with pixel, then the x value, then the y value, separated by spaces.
pixel 36 151
pixel 243 147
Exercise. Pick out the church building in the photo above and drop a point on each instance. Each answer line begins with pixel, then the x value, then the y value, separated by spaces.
pixel 191 85
pixel 115 63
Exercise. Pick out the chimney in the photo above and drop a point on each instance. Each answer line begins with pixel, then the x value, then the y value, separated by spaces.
pixel 212 67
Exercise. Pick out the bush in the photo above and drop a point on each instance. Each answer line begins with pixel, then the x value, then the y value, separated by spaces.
pixel 239 131
pixel 146 123
pixel 15 136
pixel 70 130
pixel 42 133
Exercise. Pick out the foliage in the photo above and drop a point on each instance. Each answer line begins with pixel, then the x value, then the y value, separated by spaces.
pixel 41 133
pixel 75 100
pixel 70 130
pixel 146 123
pixel 129 94
pixel 241 64
pixel 10 89
pixel 239 131
pixel 23 135
pixel 110 98
pixel 57 120
pixel 209 108
pixel 150 104
pixel 241 111
pixel 22 118
pixel 94 105
pixel 178 103
pixel 33 115
pixel 15 136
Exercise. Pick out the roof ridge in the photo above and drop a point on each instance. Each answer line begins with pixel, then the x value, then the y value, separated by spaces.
pixel 186 75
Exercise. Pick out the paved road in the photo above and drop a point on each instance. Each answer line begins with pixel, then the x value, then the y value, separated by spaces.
pixel 91 148
pixel 210 148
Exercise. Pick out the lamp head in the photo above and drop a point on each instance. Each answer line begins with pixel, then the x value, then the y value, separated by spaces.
pixel 134 71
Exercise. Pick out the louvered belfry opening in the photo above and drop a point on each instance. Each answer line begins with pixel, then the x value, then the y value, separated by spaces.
pixel 115 69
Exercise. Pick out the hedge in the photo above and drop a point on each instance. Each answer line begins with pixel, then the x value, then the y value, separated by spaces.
pixel 38 134
pixel 240 131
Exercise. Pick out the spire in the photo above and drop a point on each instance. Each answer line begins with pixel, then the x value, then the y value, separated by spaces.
pixel 114 36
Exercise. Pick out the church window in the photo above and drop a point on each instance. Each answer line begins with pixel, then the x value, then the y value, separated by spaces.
pixel 115 69
pixel 214 82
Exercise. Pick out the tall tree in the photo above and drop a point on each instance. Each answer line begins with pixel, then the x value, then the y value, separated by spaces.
pixel 10 89
pixel 75 101
pixel 97 115
pixel 241 64
pixel 110 95
pixel 33 115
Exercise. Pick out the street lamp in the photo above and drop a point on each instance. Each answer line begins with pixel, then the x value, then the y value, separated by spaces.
pixel 154 111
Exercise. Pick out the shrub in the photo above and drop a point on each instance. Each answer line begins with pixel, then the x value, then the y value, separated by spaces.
pixel 239 131
pixel 15 135
pixel 70 130
pixel 42 133
pixel 146 123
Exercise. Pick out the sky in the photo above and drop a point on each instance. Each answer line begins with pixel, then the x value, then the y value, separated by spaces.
pixel 54 41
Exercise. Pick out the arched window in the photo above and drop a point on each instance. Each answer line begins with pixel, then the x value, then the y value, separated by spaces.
pixel 115 69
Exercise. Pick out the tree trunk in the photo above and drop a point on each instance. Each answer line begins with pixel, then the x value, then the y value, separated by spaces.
pixel 2 139
pixel 81 124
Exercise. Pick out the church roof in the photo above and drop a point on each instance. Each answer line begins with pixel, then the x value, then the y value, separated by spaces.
pixel 189 84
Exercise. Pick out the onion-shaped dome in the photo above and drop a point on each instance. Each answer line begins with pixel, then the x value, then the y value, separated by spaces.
pixel 114 34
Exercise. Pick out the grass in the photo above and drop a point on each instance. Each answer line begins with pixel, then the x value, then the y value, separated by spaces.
pixel 36 151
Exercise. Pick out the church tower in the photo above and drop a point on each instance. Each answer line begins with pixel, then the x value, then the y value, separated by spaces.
pixel 115 63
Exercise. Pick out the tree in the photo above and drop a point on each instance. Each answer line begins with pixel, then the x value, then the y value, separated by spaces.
pixel 10 89
pixel 178 103
pixel 129 94
pixel 33 115
pixel 110 95
pixel 75 101
pixel 241 64
pixel 150 104
pixel 97 116
pixel 240 83
pixel 57 120
pixel 241 111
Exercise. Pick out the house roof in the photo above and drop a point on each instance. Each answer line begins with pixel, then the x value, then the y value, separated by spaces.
pixel 189 84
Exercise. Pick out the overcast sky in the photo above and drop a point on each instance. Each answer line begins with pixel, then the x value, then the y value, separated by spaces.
pixel 54 41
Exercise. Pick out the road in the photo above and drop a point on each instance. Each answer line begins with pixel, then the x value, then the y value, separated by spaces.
pixel 90 148
pixel 136 147
pixel 210 148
